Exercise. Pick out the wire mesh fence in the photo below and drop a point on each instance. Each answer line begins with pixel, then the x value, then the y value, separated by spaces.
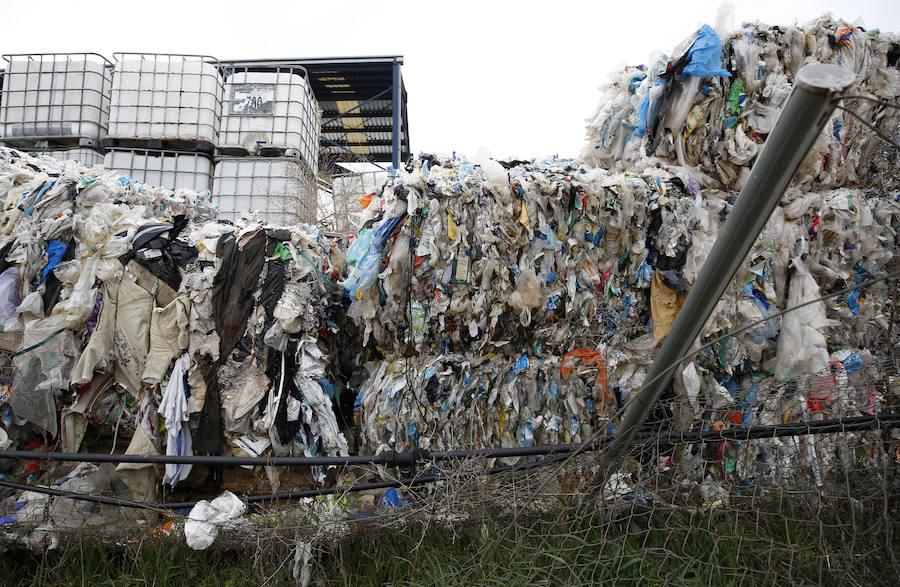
pixel 798 486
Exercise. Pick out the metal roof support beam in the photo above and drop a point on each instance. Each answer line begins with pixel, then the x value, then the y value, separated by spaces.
pixel 405 135
pixel 807 110
pixel 357 156
pixel 395 106
pixel 342 114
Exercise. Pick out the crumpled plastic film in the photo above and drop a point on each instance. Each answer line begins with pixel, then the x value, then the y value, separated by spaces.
pixel 202 525
pixel 712 120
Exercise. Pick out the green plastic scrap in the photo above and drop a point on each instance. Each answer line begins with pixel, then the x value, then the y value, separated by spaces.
pixel 418 316
pixel 282 252
pixel 734 100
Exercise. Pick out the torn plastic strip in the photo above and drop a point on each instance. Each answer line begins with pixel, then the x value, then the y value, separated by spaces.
pixel 318 271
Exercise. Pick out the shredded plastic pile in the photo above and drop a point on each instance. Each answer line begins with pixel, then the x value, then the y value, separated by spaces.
pixel 709 106
pixel 132 309
pixel 497 263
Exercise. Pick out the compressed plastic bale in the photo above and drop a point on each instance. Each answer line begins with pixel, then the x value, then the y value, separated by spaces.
pixel 764 60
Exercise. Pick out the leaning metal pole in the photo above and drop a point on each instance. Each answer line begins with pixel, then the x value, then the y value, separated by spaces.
pixel 807 110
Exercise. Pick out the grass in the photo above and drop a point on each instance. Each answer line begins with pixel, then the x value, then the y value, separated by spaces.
pixel 654 547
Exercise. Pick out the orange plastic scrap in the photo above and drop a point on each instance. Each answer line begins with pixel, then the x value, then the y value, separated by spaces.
pixel 843 37
pixel 163 530
pixel 364 201
pixel 588 357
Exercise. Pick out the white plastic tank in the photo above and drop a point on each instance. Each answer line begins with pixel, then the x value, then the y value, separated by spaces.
pixel 165 97
pixel 57 96
pixel 168 169
pixel 269 109
pixel 82 155
pixel 280 189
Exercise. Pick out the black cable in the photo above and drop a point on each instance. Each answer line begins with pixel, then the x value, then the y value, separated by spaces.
pixel 388 458
pixel 871 126
pixel 850 424
pixel 272 497
pixel 382 459
pixel 869 98
pixel 396 459
pixel 114 501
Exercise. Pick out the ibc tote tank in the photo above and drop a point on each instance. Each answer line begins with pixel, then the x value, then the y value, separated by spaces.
pixel 165 97
pixel 281 189
pixel 269 110
pixel 82 155
pixel 56 97
pixel 168 169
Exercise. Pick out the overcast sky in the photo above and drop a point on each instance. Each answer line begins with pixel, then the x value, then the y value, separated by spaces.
pixel 518 78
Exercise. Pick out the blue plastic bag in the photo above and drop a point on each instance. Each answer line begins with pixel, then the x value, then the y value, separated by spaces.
pixel 705 55
pixel 55 252
pixel 359 247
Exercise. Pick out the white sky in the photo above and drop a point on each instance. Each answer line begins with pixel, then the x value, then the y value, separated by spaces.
pixel 516 77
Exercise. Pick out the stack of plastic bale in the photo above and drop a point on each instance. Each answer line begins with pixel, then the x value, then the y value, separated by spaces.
pixel 130 308
pixel 707 110
pixel 475 281
pixel 703 116
pixel 511 269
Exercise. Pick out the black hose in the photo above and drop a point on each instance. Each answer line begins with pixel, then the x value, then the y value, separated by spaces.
pixel 849 424
pixel 272 497
pixel 398 459
pixel 562 452
pixel 381 459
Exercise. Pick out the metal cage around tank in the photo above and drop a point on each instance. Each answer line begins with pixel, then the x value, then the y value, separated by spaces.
pixel 281 190
pixel 169 169
pixel 82 155
pixel 57 99
pixel 165 97
pixel 269 110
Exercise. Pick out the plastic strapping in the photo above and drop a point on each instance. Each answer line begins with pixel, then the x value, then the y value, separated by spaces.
pixel 42 343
